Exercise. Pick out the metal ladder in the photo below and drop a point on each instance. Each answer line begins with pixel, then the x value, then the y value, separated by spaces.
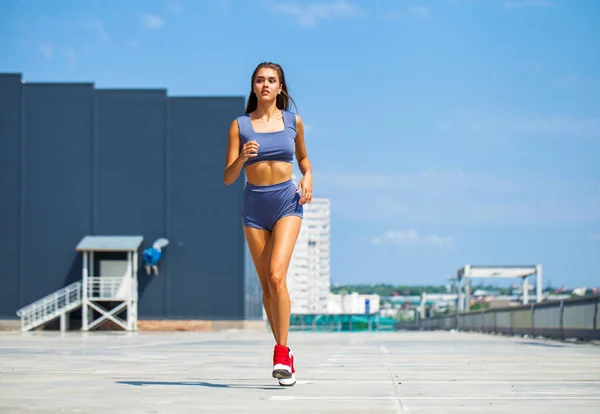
pixel 54 305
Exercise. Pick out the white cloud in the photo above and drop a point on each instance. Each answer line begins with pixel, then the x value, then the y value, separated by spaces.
pixel 426 180
pixel 50 50
pixel 522 4
pixel 174 7
pixel 482 127
pixel 69 54
pixel 84 28
pixel 595 237
pixel 421 11
pixel 391 15
pixel 310 14
pixel 457 197
pixel 97 26
pixel 47 50
pixel 413 238
pixel 153 21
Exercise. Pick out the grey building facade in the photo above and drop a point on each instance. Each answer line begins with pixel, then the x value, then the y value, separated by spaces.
pixel 76 161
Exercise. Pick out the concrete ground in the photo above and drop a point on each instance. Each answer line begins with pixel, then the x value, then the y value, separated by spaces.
pixel 230 372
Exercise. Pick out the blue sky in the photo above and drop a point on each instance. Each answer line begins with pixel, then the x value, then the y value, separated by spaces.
pixel 444 132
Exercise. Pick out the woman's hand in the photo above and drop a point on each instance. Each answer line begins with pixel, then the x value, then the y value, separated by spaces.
pixel 305 189
pixel 249 150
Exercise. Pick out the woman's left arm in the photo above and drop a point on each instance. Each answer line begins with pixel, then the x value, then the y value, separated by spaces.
pixel 305 185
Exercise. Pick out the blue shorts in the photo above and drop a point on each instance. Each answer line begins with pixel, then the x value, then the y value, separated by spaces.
pixel 263 205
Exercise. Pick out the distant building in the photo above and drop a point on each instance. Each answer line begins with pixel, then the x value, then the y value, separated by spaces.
pixel 308 276
pixel 353 303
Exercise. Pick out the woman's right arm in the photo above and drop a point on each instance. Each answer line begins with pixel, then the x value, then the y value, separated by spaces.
pixel 235 160
pixel 233 163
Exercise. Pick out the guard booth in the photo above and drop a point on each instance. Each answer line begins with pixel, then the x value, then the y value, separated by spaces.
pixel 109 281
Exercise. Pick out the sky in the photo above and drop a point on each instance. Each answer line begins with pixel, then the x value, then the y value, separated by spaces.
pixel 444 132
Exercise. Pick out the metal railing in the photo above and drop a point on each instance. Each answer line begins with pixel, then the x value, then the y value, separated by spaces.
pixel 108 287
pixel 342 322
pixel 573 318
pixel 50 307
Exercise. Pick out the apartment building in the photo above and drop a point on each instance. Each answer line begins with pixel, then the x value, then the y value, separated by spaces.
pixel 309 271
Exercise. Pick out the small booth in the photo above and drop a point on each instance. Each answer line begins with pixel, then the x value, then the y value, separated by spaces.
pixel 109 285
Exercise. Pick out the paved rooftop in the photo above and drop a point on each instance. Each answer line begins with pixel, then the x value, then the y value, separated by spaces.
pixel 229 372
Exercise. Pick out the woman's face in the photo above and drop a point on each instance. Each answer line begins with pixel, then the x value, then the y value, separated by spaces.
pixel 266 84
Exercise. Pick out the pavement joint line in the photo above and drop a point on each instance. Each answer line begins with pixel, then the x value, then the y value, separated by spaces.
pixel 399 405
pixel 341 353
pixel 466 397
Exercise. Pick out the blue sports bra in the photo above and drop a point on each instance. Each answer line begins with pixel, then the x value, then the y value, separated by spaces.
pixel 272 146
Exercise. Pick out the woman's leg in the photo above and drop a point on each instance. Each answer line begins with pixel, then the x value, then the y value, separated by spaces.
pixel 285 234
pixel 260 243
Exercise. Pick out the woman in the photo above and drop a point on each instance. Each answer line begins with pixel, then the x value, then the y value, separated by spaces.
pixel 263 141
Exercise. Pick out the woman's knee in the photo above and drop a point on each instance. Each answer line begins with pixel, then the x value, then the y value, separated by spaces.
pixel 276 279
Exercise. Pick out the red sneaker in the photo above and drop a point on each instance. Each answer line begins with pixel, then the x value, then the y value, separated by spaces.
pixel 282 363
pixel 288 382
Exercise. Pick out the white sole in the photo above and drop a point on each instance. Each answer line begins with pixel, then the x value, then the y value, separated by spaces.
pixel 281 371
pixel 288 382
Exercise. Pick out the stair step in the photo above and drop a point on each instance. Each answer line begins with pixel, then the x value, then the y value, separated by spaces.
pixel 50 307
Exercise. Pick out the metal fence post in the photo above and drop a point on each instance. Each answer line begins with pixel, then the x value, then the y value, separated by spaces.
pixel 562 322
pixel 495 329
pixel 533 319
pixel 596 313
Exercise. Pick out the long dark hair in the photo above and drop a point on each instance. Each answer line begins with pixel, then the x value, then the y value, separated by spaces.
pixel 283 99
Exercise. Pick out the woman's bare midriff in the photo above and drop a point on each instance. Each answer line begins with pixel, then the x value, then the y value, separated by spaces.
pixel 269 172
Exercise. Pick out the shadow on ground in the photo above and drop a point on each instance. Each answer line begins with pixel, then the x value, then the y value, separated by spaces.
pixel 199 384
pixel 542 344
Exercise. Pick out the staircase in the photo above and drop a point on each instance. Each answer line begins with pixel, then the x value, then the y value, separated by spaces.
pixel 59 303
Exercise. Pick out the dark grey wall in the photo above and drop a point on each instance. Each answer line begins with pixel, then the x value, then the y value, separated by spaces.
pixel 204 219
pixel 10 133
pixel 77 161
pixel 129 176
pixel 55 212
